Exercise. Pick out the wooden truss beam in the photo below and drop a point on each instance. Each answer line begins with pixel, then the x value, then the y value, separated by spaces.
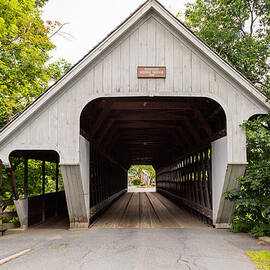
pixel 105 112
pixel 148 116
pixel 204 122
pixel 151 105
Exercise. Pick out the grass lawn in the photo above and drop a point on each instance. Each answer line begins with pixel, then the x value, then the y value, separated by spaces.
pixel 261 258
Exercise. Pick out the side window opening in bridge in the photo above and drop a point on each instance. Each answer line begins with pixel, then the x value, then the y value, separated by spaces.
pixel 39 188
pixel 141 178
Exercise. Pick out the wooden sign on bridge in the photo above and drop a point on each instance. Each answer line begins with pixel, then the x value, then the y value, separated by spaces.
pixel 151 72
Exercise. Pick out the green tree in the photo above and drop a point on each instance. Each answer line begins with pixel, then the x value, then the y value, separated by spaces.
pixel 34 179
pixel 239 30
pixel 25 72
pixel 253 199
pixel 24 52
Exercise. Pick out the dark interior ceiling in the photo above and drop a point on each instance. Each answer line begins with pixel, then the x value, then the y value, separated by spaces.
pixel 46 155
pixel 148 130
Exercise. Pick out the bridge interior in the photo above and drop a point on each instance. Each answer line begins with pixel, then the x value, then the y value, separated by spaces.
pixel 146 210
pixel 172 134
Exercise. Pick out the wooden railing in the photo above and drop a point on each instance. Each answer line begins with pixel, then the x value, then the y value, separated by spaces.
pixel 6 212
pixel 189 180
pixel 106 178
pixel 42 207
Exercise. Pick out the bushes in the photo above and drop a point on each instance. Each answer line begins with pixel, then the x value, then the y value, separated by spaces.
pixel 136 182
pixel 34 179
pixel 252 213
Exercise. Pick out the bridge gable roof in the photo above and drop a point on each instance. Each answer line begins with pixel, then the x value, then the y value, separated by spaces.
pixel 120 31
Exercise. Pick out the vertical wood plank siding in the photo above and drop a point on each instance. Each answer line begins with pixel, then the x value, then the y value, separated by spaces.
pixel 149 42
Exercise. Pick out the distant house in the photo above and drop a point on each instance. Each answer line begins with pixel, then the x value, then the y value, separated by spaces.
pixel 145 178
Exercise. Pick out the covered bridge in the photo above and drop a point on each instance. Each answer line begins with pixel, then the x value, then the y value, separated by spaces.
pixel 150 93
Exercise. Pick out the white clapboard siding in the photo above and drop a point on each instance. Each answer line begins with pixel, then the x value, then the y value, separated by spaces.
pixel 133 61
pixel 151 41
pixel 143 49
pixel 151 51
pixel 160 53
pixel 177 65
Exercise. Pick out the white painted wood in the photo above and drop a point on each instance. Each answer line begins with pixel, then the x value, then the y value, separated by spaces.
pixel 134 60
pixel 204 77
pixel 85 170
pixel 143 48
pixel 177 65
pixel 225 207
pixel 107 74
pixel 124 65
pixel 76 200
pixel 219 166
pixel 195 73
pixel 169 57
pixel 151 52
pixel 98 78
pixel 160 53
pixel 116 75
pixel 187 70
pixel 151 36
pixel 22 211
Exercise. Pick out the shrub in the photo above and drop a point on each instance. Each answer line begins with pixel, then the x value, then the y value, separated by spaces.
pixel 136 182
pixel 252 213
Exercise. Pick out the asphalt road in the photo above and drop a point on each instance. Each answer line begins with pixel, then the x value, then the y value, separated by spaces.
pixel 96 248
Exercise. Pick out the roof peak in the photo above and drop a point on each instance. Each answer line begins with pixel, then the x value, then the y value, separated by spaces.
pixel 117 32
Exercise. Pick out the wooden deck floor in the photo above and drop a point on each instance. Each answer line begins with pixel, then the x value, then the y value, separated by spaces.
pixel 146 210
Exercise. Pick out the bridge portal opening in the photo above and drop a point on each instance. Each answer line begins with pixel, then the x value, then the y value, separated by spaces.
pixel 141 178
pixel 173 134
pixel 36 181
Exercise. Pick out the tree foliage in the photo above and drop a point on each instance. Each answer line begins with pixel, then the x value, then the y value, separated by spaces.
pixel 253 199
pixel 25 72
pixel 239 30
pixel 34 180
pixel 24 52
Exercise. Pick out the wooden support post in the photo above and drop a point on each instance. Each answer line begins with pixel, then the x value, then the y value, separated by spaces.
pixel 13 183
pixel 57 178
pixel 43 191
pixel 56 187
pixel 25 188
pixel 43 177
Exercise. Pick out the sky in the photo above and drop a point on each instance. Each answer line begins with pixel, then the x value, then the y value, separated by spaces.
pixel 88 22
